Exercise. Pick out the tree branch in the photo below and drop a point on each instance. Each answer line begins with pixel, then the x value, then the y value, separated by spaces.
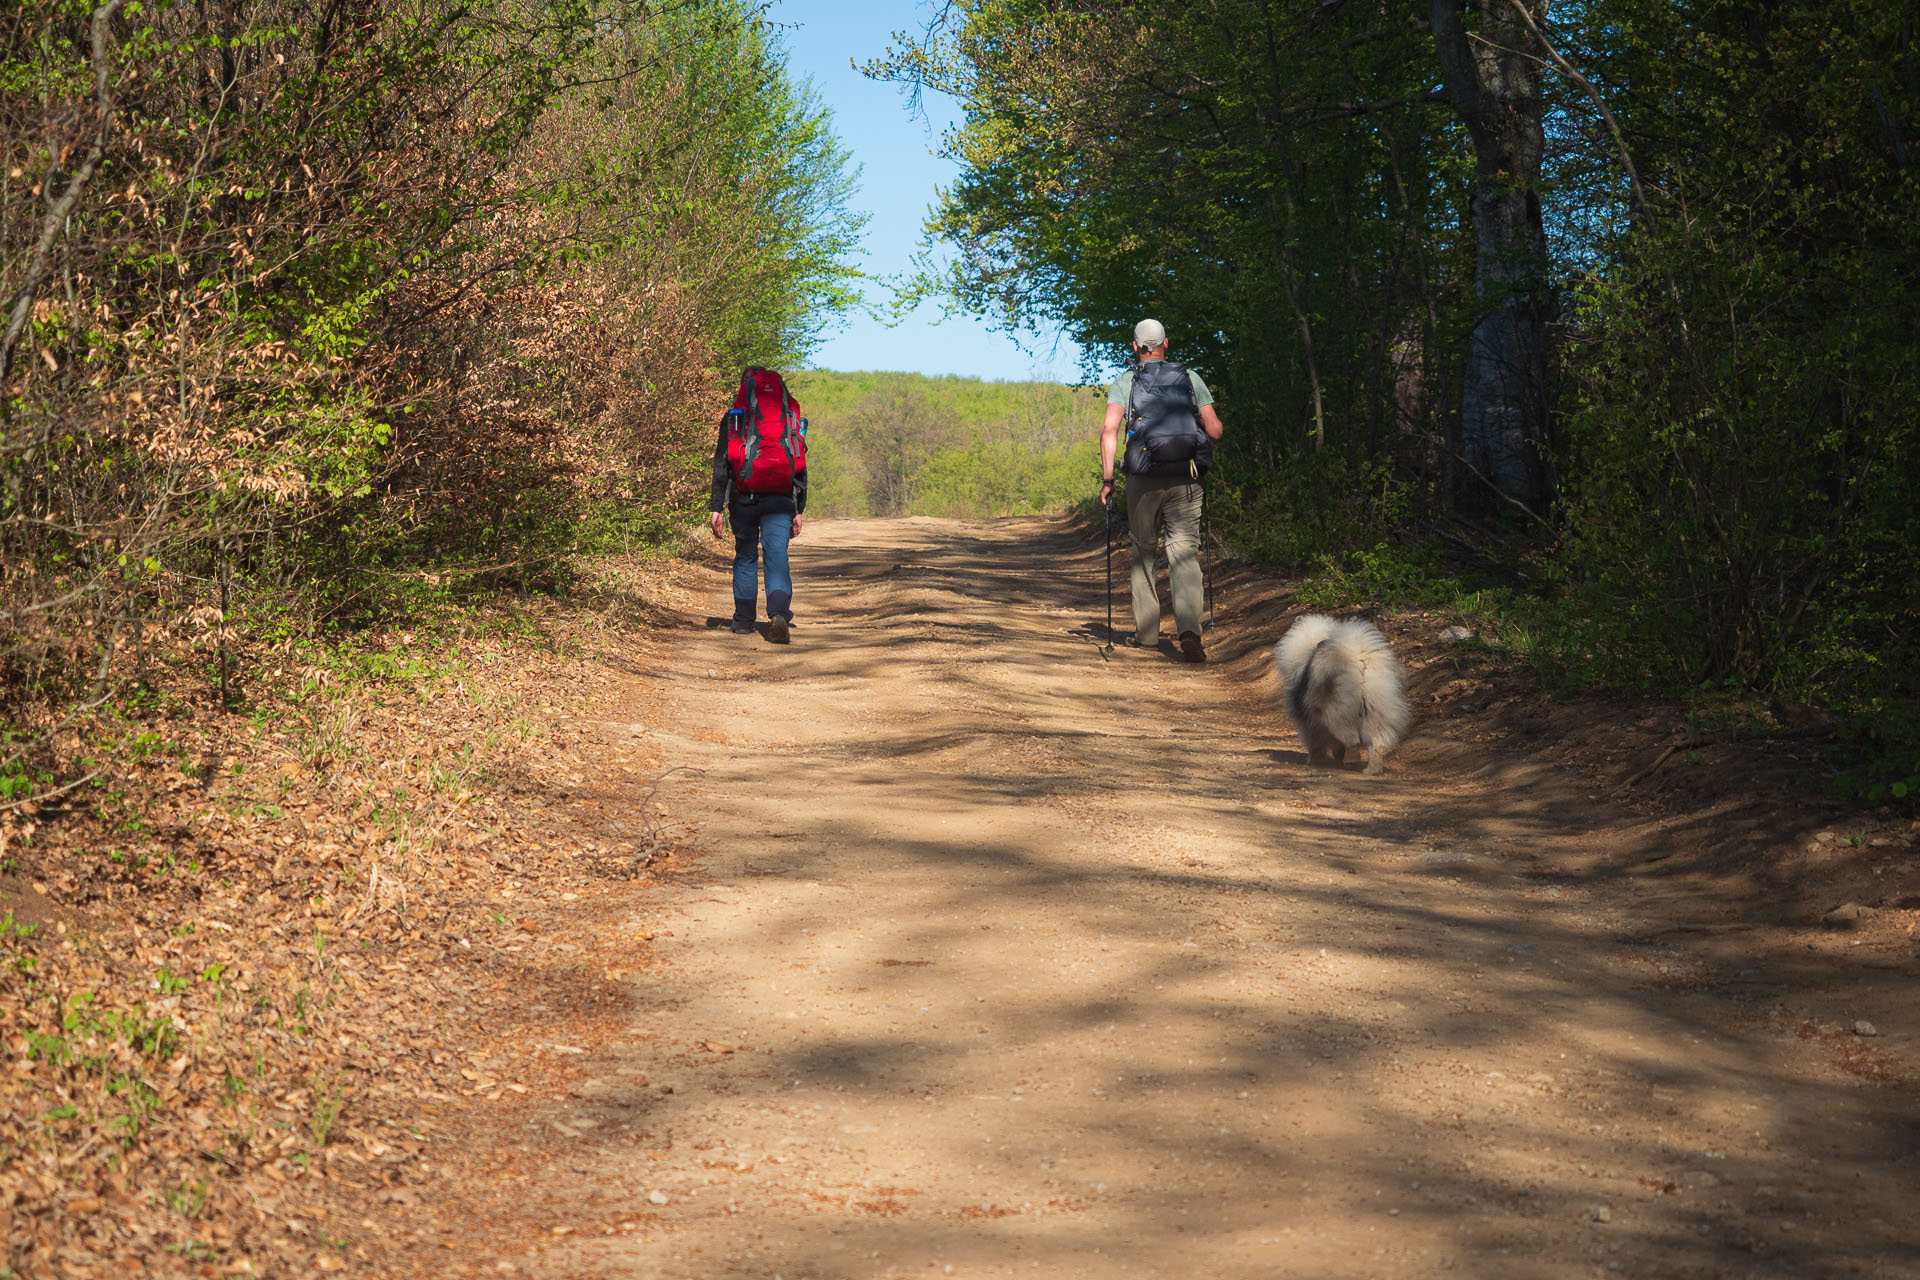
pixel 1456 59
pixel 1641 207
pixel 41 264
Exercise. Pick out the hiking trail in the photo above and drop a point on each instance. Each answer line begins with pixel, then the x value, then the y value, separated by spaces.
pixel 991 954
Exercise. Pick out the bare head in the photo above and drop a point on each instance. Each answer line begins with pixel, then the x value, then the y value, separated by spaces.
pixel 1150 340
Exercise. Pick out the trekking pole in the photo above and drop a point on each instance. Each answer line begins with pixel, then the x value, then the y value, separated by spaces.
pixel 1206 562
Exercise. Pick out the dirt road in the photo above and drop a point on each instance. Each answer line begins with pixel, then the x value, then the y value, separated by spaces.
pixel 998 956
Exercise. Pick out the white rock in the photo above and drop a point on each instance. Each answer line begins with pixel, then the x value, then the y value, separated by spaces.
pixel 1456 634
pixel 657 1197
pixel 1865 1028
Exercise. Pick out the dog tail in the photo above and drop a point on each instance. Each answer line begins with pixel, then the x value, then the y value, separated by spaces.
pixel 1383 683
pixel 1302 638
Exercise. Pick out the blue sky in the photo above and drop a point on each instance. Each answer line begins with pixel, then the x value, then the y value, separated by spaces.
pixel 900 174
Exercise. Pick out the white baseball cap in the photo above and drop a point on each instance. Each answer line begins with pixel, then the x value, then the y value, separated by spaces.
pixel 1149 334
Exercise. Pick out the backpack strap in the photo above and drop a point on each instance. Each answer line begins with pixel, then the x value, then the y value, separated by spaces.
pixel 1133 399
pixel 790 430
pixel 749 423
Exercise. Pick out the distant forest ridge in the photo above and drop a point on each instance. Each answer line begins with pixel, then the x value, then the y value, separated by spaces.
pixel 887 444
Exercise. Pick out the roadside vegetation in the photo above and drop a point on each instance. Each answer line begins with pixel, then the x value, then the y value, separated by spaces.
pixel 328 333
pixel 323 315
pixel 1596 315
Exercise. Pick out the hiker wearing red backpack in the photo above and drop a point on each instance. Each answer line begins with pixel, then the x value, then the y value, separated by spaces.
pixel 760 485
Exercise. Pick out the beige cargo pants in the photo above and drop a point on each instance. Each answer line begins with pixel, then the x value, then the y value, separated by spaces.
pixel 1176 501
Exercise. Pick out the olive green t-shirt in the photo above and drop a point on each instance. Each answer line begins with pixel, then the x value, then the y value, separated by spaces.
pixel 1122 390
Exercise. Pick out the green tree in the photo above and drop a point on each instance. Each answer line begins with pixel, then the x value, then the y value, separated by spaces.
pixel 1741 445
pixel 1277 181
pixel 356 298
pixel 1637 267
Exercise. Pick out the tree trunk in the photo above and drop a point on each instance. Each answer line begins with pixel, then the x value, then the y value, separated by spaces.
pixel 1495 88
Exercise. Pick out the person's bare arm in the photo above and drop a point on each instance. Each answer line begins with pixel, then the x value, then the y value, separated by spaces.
pixel 1209 422
pixel 1109 446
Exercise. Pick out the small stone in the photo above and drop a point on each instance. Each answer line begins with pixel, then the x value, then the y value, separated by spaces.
pixel 1825 837
pixel 1699 1178
pixel 1865 1028
pixel 1601 1213
pixel 1456 634
pixel 657 1197
pixel 1844 916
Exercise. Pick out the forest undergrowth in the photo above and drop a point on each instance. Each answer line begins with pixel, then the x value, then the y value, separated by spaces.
pixel 340 342
pixel 1597 311
pixel 237 983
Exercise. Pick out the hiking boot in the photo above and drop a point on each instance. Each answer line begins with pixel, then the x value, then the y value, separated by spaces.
pixel 1190 646
pixel 778 629
pixel 742 626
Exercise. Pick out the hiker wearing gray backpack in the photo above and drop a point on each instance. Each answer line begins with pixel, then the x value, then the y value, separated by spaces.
pixel 1170 426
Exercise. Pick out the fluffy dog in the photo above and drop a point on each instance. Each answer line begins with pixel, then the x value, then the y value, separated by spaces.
pixel 1344 689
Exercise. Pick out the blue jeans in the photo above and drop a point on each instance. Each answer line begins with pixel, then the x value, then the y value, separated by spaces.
pixel 753 530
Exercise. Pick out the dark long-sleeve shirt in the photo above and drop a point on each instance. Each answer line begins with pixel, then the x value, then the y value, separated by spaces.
pixel 723 490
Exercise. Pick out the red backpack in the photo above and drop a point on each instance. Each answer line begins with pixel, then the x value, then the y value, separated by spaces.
pixel 766 436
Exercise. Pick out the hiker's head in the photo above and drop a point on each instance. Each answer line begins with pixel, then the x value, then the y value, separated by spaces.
pixel 1150 340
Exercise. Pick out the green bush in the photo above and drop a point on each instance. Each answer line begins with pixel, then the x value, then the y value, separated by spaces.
pixel 1877 758
pixel 1738 431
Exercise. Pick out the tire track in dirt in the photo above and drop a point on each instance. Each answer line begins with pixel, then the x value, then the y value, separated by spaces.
pixel 1001 957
